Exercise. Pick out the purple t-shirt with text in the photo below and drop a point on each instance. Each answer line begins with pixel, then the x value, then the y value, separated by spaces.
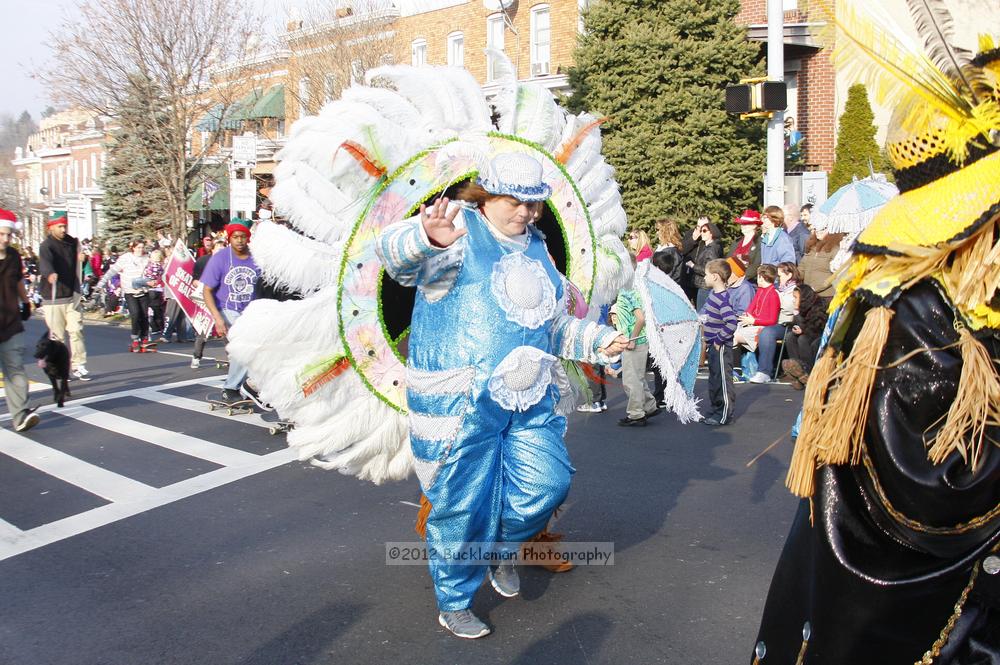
pixel 231 279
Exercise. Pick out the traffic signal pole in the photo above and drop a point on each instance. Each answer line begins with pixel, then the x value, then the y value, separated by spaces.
pixel 774 179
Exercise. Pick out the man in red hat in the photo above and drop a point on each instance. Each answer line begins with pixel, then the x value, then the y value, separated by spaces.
pixel 14 308
pixel 229 280
pixel 59 268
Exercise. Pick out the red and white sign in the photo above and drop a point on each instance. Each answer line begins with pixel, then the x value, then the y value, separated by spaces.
pixel 179 279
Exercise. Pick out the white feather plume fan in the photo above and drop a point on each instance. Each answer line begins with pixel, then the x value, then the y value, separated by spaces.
pixel 332 363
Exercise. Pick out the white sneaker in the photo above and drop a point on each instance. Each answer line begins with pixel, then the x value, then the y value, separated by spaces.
pixel 760 377
pixel 80 373
pixel 195 363
pixel 589 408
pixel 27 422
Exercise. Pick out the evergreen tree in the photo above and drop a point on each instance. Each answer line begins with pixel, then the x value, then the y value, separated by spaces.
pixel 659 69
pixel 856 143
pixel 135 203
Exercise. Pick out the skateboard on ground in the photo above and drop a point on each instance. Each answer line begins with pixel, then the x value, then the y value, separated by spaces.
pixel 281 427
pixel 239 408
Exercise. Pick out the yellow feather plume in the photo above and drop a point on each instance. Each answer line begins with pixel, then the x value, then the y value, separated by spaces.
pixel 901 75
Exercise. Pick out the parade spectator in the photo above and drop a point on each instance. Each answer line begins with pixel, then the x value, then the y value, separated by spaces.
pixel 796 230
pixel 229 280
pixel 762 312
pixel 631 324
pixel 199 267
pixel 97 262
pixel 206 247
pixel 154 275
pixel 803 336
pixel 776 247
pixel 821 247
pixel 746 248
pixel 639 245
pixel 164 240
pixel 719 322
pixel 131 268
pixel 30 261
pixel 788 278
pixel 670 243
pixel 708 248
pixel 59 268
pixel 112 294
pixel 14 309
pixel 805 215
pixel 597 379
pixel 740 289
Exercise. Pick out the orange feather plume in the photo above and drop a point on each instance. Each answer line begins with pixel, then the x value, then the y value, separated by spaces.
pixel 371 167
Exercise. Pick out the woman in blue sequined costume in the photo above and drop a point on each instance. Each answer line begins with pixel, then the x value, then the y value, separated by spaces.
pixel 483 375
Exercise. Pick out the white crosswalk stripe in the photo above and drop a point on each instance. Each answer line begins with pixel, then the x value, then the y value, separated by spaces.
pixel 127 496
pixel 164 438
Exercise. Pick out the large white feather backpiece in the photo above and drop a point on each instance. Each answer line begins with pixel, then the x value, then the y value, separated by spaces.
pixel 333 363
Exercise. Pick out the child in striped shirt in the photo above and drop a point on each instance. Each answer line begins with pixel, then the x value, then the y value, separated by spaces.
pixel 718 325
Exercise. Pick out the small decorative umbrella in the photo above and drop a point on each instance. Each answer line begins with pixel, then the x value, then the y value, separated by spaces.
pixel 674 335
pixel 853 206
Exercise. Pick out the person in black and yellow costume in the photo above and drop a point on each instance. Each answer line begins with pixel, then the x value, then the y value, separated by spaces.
pixel 894 554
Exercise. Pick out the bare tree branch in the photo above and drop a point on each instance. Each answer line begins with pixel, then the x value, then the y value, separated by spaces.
pixel 179 47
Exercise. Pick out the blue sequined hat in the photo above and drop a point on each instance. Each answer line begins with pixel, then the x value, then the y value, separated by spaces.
pixel 515 174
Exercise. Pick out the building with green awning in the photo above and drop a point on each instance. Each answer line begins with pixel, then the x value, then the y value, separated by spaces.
pixel 256 105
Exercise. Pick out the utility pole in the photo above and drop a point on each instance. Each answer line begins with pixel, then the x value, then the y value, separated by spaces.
pixel 774 179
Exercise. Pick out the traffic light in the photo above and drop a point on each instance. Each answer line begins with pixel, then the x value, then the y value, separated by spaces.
pixel 756 96
pixel 739 98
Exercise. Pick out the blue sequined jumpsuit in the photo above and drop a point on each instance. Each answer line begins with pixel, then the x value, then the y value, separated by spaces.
pixel 488 322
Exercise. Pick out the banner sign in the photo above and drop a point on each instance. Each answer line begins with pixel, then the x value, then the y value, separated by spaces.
pixel 245 150
pixel 242 195
pixel 179 279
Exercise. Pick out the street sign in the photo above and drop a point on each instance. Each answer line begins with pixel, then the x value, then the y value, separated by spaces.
pixel 242 195
pixel 245 149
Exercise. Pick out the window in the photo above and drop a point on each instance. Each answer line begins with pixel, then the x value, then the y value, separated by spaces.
pixel 494 39
pixel 330 87
pixel 418 52
pixel 85 166
pixel 303 96
pixel 540 40
pixel 456 49
pixel 789 5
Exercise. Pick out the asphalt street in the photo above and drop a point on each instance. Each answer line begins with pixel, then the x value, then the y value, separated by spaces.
pixel 137 527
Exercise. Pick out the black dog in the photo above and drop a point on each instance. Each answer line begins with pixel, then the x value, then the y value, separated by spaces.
pixel 53 357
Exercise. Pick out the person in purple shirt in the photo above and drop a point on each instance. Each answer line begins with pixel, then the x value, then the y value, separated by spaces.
pixel 718 323
pixel 229 280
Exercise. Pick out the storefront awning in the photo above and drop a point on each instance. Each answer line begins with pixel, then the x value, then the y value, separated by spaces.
pixel 272 104
pixel 257 104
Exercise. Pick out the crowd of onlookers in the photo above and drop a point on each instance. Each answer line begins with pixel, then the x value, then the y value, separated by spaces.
pixel 763 298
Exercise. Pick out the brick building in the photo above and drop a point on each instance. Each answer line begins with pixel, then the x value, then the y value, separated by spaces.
pixel 59 170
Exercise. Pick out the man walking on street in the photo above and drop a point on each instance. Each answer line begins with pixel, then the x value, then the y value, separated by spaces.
pixel 199 267
pixel 59 268
pixel 229 280
pixel 13 302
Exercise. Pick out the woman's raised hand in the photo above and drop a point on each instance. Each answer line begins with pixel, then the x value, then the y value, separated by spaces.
pixel 439 224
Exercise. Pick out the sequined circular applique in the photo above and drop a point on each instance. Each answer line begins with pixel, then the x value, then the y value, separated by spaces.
pixel 521 379
pixel 523 376
pixel 523 289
